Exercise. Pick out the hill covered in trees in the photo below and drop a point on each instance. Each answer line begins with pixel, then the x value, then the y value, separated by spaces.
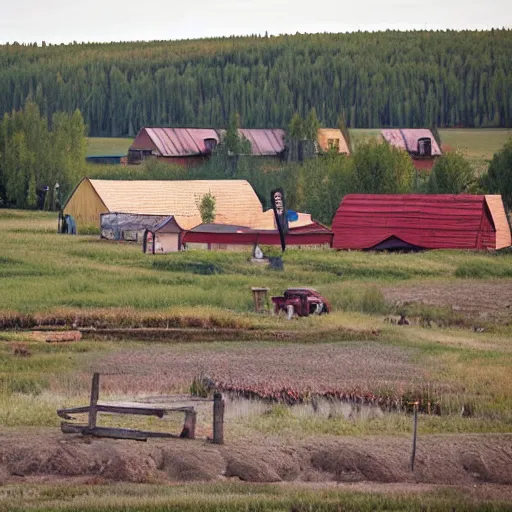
pixel 375 79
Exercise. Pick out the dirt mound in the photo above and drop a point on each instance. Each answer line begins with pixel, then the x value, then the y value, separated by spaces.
pixel 457 460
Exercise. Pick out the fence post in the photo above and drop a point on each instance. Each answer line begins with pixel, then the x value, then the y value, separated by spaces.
pixel 95 391
pixel 414 432
pixel 218 418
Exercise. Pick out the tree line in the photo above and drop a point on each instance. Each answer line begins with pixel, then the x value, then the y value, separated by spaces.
pixel 380 79
pixel 40 161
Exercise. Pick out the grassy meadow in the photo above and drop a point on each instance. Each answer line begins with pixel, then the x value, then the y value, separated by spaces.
pixel 235 497
pixel 49 278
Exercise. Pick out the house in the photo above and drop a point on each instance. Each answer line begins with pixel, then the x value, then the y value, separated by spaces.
pixel 419 143
pixel 188 147
pixel 236 201
pixel 421 221
pixel 330 139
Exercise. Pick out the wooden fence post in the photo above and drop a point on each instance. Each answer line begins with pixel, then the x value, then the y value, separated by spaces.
pixel 414 432
pixel 189 427
pixel 95 391
pixel 218 418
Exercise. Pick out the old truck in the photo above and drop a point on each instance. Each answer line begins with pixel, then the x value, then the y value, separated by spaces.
pixel 301 302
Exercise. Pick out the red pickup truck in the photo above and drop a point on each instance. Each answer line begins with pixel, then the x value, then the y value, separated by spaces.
pixel 301 302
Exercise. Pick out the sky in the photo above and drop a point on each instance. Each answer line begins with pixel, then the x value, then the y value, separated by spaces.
pixel 64 21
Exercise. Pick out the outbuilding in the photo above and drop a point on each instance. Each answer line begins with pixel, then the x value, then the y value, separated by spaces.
pixel 420 143
pixel 235 201
pixel 421 221
pixel 188 147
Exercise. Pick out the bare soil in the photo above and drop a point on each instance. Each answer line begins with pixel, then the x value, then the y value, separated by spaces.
pixel 44 455
pixel 486 301
pixel 317 368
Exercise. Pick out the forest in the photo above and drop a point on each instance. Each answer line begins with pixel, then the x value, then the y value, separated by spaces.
pixel 378 79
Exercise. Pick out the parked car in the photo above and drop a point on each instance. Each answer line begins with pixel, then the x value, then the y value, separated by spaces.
pixel 301 302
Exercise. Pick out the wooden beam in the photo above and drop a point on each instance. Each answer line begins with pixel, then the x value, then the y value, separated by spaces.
pixel 121 409
pixel 111 432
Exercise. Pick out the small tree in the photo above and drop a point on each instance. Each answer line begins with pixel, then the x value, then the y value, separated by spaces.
pixel 207 208
pixel 452 174
pixel 342 125
pixel 311 125
pixel 498 179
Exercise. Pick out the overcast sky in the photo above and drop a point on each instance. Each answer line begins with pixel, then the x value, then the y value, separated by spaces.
pixel 57 21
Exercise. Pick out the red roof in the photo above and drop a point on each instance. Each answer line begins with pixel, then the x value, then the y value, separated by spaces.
pixel 173 142
pixel 407 139
pixel 267 142
pixel 364 221
pixel 312 234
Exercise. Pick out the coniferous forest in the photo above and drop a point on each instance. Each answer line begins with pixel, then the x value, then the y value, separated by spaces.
pixel 381 79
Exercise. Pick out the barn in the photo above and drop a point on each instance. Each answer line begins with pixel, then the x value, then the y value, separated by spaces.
pixel 421 221
pixel 188 147
pixel 419 143
pixel 236 201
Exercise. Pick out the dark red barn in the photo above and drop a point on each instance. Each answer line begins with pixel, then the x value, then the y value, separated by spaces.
pixel 420 221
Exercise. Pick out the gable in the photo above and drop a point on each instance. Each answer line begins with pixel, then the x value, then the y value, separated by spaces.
pixel 326 135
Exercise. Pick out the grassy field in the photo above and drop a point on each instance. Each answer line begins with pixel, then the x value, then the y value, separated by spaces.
pixel 235 497
pixel 455 356
pixel 98 146
pixel 48 278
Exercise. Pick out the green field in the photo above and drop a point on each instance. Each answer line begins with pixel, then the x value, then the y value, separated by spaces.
pixel 454 356
pixel 105 146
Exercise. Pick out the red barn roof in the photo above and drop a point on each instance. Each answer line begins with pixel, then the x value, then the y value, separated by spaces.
pixel 407 139
pixel 381 221
pixel 311 234
pixel 175 142
pixel 266 142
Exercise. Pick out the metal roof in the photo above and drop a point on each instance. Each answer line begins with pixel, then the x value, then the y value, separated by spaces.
pixel 236 200
pixel 407 139
pixel 265 142
pixel 180 141
pixel 430 221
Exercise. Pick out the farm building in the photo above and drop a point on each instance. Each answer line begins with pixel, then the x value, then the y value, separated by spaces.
pixel 188 147
pixel 329 139
pixel 169 236
pixel 420 221
pixel 419 143
pixel 236 201
pixel 268 142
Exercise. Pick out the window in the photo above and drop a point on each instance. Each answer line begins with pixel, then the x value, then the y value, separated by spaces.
pixel 333 144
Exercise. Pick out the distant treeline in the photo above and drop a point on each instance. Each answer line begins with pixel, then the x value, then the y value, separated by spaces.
pixel 405 79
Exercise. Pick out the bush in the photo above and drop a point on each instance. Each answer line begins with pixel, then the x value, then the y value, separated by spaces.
pixel 452 174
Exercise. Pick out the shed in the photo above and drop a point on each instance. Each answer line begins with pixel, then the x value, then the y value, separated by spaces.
pixel 164 237
pixel 188 147
pixel 236 201
pixel 421 221
pixel 332 139
pixel 419 143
